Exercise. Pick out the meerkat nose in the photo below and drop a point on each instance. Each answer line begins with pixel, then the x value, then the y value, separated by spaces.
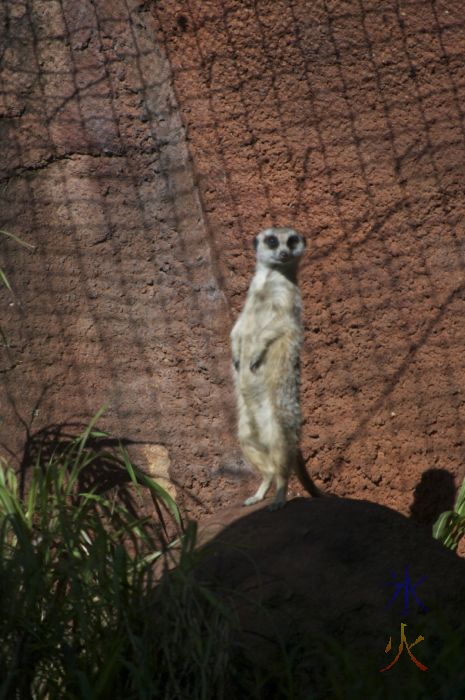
pixel 283 255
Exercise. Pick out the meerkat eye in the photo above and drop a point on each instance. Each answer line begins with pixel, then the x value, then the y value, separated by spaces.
pixel 272 241
pixel 293 241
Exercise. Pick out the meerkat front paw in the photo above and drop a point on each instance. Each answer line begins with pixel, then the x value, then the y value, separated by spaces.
pixel 256 361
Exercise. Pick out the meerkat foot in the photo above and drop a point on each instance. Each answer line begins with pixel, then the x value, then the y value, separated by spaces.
pixel 280 498
pixel 276 505
pixel 261 493
pixel 252 499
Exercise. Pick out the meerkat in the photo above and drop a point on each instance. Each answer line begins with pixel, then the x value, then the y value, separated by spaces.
pixel 265 345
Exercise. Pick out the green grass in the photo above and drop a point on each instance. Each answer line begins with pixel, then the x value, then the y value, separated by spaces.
pixel 82 614
pixel 75 569
pixel 339 672
pixel 449 528
pixel 3 278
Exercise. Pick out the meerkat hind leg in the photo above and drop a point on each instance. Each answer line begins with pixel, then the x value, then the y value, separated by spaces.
pixel 261 491
pixel 281 493
pixel 258 458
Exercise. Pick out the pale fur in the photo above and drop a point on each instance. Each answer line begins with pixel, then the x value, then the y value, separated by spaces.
pixel 266 341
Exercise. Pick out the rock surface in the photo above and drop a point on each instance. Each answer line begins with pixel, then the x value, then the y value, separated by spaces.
pixel 331 567
pixel 144 143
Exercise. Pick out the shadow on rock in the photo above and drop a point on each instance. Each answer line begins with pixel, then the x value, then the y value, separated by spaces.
pixel 350 569
pixel 433 495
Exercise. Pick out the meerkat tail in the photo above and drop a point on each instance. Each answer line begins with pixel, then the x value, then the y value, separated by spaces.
pixel 305 478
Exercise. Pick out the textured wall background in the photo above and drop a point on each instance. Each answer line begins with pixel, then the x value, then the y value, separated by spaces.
pixel 144 143
pixel 120 303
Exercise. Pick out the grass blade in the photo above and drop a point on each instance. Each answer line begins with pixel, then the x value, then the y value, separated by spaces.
pixel 4 280
pixel 17 239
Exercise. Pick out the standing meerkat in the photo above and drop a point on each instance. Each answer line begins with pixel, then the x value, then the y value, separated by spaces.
pixel 265 343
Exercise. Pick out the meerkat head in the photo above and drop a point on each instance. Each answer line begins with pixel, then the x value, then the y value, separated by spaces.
pixel 279 247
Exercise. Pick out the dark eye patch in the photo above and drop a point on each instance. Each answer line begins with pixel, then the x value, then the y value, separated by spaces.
pixel 272 241
pixel 293 241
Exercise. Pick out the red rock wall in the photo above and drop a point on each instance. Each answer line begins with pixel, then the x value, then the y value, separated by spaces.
pixel 120 302
pixel 145 143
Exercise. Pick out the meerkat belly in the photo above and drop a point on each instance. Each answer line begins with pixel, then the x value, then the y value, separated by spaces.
pixel 271 393
pixel 282 377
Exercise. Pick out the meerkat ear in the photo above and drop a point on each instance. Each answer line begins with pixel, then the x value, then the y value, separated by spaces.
pixel 255 242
